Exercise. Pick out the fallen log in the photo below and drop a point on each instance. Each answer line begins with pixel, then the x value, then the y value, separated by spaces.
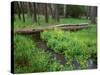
pixel 71 27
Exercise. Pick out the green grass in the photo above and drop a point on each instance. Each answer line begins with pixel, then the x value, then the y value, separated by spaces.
pixel 41 21
pixel 20 24
pixel 73 20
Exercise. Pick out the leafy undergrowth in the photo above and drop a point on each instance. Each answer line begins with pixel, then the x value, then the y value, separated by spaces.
pixel 79 46
pixel 28 58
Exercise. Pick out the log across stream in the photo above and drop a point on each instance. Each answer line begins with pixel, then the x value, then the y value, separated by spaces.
pixel 71 27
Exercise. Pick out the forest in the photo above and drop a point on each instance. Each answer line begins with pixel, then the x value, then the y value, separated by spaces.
pixel 53 37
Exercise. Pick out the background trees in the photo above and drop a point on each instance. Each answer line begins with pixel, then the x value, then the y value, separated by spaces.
pixel 56 11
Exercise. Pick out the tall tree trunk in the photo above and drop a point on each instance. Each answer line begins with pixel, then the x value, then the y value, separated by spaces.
pixel 64 10
pixel 93 14
pixel 35 12
pixel 55 11
pixel 22 9
pixel 46 13
pixel 88 12
pixel 29 9
pixel 18 10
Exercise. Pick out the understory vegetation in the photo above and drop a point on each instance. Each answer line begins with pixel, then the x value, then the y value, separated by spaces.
pixel 53 37
pixel 79 46
pixel 28 58
pixel 76 46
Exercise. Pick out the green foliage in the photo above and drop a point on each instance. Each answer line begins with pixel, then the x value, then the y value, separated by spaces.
pixel 68 66
pixel 73 20
pixel 77 51
pixel 75 11
pixel 28 58
pixel 56 39
pixel 86 41
pixel 40 61
pixel 79 46
pixel 74 45
pixel 20 24
pixel 55 66
pixel 89 38
pixel 22 49
pixel 22 52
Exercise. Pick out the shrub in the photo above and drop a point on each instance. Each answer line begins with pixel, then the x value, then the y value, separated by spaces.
pixel 22 52
pixel 40 61
pixel 28 58
pixel 74 45
pixel 56 39
pixel 55 66
pixel 77 51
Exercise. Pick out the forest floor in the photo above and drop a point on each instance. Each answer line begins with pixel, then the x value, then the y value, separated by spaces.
pixel 23 42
